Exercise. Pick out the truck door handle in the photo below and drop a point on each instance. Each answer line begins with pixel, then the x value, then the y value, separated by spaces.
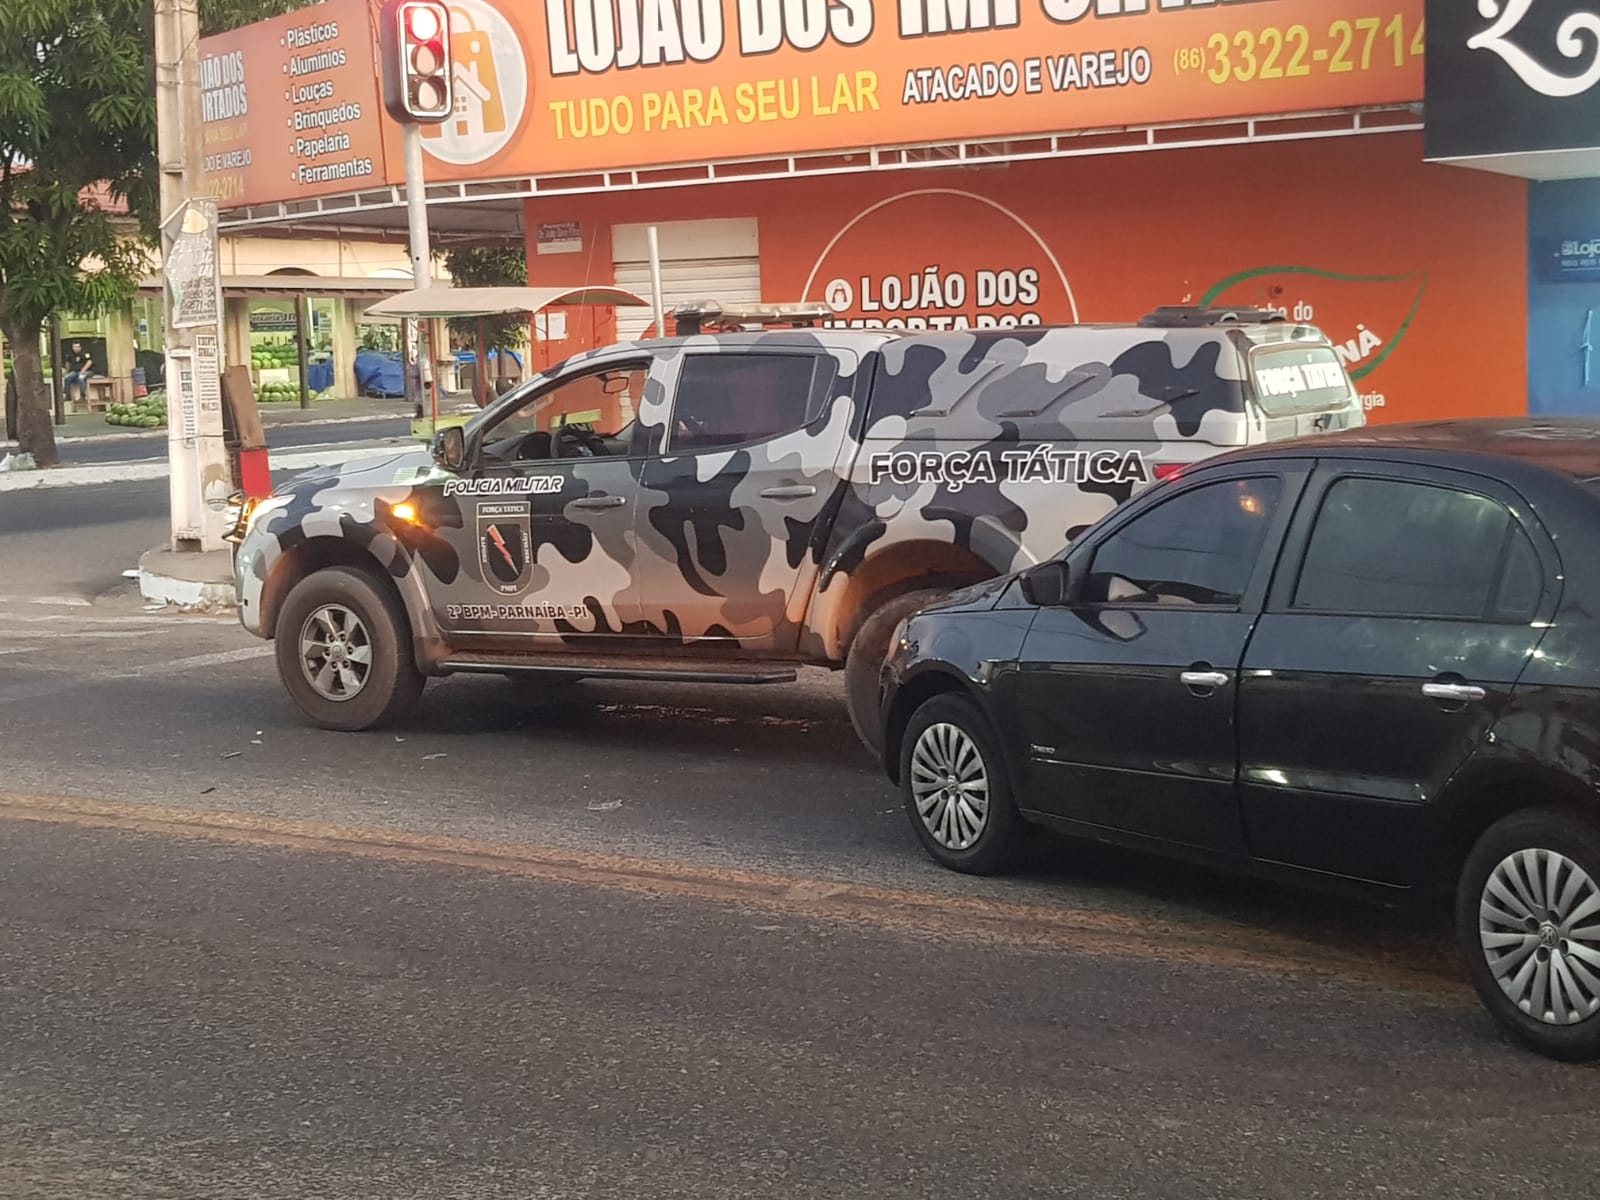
pixel 1203 679
pixel 1459 693
pixel 794 491
pixel 600 502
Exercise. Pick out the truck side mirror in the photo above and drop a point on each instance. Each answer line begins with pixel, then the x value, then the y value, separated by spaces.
pixel 1046 585
pixel 450 448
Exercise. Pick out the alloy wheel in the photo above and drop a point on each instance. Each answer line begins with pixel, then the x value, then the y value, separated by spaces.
pixel 950 785
pixel 1539 926
pixel 335 652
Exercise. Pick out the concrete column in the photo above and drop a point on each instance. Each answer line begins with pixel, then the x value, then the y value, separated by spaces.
pixel 120 358
pixel 344 348
pixel 236 329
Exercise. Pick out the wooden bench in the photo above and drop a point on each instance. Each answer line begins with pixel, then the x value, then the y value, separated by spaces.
pixel 102 392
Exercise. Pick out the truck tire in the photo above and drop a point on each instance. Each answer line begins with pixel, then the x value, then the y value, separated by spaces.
pixel 344 651
pixel 863 662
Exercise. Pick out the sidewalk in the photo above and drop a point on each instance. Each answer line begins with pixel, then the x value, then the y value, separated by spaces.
pixel 84 426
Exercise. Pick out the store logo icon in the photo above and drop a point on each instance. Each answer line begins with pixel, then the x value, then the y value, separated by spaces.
pixel 1527 68
pixel 840 296
pixel 491 86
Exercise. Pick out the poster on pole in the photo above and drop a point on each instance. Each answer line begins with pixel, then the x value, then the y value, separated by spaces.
pixel 193 273
pixel 182 418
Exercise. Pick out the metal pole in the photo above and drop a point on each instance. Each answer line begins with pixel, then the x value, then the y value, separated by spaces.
pixel 421 260
pixel 302 347
pixel 58 374
pixel 657 302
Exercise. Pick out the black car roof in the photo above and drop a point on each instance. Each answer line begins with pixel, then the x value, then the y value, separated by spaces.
pixel 1566 445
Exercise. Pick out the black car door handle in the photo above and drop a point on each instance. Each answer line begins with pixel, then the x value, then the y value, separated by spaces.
pixel 797 491
pixel 600 502
pixel 1458 693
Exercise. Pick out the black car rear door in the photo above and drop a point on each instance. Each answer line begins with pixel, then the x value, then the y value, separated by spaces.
pixel 1408 601
pixel 1126 697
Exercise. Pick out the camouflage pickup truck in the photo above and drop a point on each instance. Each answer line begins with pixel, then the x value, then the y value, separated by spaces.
pixel 765 499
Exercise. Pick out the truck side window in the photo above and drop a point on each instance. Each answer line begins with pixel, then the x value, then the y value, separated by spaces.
pixel 729 399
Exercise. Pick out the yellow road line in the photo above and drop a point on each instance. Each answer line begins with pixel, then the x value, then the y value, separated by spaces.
pixel 1018 924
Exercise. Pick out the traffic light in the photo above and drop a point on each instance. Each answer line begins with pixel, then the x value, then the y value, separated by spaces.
pixel 414 39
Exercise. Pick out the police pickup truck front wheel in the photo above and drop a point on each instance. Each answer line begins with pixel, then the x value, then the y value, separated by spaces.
pixel 863 663
pixel 344 651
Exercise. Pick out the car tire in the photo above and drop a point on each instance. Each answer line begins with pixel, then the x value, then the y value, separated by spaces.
pixel 1507 920
pixel 950 733
pixel 863 663
pixel 344 651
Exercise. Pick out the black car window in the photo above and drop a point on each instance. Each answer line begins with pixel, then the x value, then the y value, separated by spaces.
pixel 1397 547
pixel 730 399
pixel 1198 548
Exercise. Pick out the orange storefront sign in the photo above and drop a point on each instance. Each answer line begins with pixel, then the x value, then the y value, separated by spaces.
pixel 290 107
pixel 1418 273
pixel 562 86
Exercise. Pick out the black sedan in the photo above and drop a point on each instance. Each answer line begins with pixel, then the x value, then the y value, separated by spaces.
pixel 1370 659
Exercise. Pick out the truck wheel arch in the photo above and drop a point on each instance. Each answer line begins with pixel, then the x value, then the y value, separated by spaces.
pixel 315 554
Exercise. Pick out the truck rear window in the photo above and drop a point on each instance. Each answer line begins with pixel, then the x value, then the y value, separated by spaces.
pixel 1299 379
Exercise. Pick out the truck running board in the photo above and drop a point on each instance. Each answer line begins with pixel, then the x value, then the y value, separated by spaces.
pixel 659 670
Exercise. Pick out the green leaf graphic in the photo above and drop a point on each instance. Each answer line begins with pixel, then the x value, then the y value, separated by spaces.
pixel 1356 373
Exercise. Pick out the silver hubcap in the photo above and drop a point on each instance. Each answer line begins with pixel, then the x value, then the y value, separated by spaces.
pixel 1539 924
pixel 950 786
pixel 335 652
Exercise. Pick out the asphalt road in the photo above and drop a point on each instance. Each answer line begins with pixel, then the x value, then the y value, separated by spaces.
pixel 284 436
pixel 644 940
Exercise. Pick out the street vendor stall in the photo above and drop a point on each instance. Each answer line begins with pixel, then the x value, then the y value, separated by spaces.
pixel 482 304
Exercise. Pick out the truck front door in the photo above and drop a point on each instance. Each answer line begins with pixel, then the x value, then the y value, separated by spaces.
pixel 541 521
pixel 748 446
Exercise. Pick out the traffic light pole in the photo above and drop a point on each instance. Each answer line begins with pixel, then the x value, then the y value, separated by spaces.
pixel 421 261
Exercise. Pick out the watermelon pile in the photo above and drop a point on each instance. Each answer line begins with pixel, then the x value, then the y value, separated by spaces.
pixel 149 413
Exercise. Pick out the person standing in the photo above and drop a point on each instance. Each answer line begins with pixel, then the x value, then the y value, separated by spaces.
pixel 80 366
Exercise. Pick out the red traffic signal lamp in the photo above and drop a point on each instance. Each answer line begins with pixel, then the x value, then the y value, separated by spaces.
pixel 414 43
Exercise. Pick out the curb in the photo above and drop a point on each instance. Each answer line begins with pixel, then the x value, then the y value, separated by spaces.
pixel 189 595
pixel 151 434
pixel 134 472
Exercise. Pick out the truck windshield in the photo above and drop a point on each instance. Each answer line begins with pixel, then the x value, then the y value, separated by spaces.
pixel 1299 379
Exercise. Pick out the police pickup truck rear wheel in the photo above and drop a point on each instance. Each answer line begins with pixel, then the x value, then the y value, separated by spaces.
pixel 863 663
pixel 344 651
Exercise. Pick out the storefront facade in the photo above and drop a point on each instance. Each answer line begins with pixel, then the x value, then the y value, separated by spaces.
pixel 926 163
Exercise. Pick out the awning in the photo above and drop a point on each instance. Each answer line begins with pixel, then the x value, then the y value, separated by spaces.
pixel 291 286
pixel 447 302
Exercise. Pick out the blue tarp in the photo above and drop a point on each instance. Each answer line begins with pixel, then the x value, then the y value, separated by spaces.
pixel 379 373
pixel 319 376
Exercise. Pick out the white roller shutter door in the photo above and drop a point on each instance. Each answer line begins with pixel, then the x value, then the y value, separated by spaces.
pixel 700 260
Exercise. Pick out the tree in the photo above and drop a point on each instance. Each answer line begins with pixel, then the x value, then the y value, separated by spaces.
pixel 490 266
pixel 219 15
pixel 77 113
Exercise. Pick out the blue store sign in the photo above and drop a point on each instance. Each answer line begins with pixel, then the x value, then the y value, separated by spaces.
pixel 1570 260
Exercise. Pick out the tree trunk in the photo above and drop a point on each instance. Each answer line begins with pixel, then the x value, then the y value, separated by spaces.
pixel 35 433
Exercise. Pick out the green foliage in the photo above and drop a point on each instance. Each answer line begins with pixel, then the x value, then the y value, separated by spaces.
pixel 219 15
pixel 490 266
pixel 77 110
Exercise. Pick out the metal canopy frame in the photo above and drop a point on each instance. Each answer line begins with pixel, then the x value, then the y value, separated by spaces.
pixel 445 303
pixel 481 210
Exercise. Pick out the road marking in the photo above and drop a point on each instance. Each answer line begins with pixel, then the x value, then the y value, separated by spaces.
pixel 160 620
pixel 60 685
pixel 176 666
pixel 1015 924
pixel 52 601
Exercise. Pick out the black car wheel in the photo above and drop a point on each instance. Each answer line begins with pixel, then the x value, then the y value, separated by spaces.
pixel 955 787
pixel 1528 916
pixel 344 651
